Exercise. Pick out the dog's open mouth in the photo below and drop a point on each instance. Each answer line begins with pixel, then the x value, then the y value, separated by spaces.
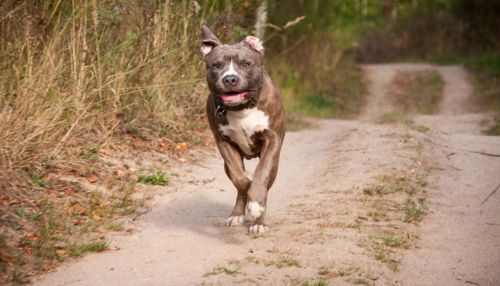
pixel 236 97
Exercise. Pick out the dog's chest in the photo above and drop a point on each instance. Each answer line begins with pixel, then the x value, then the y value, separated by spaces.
pixel 242 124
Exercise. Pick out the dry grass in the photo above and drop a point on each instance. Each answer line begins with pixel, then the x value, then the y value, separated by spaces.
pixel 76 78
pixel 85 76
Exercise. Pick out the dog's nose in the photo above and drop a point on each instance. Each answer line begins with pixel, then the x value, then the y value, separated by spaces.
pixel 230 80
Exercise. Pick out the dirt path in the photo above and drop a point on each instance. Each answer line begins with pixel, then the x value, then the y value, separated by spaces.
pixel 324 221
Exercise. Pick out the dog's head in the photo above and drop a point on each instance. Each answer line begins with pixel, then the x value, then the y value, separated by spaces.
pixel 234 72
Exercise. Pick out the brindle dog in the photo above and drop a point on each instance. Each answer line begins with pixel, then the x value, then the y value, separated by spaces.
pixel 246 116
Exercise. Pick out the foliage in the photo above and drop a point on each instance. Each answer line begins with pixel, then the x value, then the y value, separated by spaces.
pixel 158 178
pixel 445 30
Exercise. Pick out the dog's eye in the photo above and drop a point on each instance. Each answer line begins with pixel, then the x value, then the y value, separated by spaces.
pixel 247 64
pixel 216 65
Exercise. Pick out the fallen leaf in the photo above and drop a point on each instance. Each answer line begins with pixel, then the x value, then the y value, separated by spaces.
pixel 28 250
pixel 92 179
pixel 31 236
pixel 134 178
pixel 46 266
pixel 181 146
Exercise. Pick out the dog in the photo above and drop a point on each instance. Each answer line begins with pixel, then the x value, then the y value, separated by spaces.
pixel 246 116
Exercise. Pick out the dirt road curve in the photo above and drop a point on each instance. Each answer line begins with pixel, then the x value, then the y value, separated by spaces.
pixel 324 224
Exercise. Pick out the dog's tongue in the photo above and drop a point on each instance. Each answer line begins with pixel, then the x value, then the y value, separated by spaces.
pixel 233 98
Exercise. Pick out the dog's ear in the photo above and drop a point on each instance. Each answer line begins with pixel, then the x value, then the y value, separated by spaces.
pixel 208 40
pixel 255 43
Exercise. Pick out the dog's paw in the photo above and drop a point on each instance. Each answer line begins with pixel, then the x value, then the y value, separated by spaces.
pixel 255 210
pixel 257 229
pixel 235 220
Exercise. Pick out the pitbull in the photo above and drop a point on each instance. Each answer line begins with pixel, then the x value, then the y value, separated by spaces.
pixel 245 113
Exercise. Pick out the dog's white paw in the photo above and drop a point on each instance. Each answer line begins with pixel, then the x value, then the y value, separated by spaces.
pixel 255 210
pixel 258 229
pixel 235 220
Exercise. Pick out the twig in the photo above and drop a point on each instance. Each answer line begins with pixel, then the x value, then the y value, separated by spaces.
pixel 481 153
pixel 463 150
pixel 491 194
pixel 12 12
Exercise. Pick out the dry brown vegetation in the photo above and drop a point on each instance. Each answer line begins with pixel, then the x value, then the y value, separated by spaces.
pixel 79 79
pixel 83 78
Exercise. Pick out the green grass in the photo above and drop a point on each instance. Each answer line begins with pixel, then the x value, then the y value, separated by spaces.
pixel 384 256
pixel 314 106
pixel 494 129
pixel 414 210
pixel 19 277
pixel 157 178
pixel 489 63
pixel 392 240
pixel 338 91
pixel 38 181
pixel 403 119
pixel 287 261
pixel 21 212
pixel 378 215
pixel 115 226
pixel 79 249
pixel 315 283
pixel 389 184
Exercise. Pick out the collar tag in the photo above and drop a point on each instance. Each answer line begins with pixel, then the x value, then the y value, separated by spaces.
pixel 219 112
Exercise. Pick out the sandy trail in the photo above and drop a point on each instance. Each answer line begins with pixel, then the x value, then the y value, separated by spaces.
pixel 320 227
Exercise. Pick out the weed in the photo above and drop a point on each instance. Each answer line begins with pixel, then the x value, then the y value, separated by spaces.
pixel 392 241
pixel 385 257
pixel 38 181
pixel 79 249
pixel 347 271
pixel 21 212
pixel 362 281
pixel 378 215
pixel 221 269
pixel 116 226
pixel 157 178
pixel 19 277
pixel 323 270
pixel 403 119
pixel 414 210
pixel 315 283
pixel 287 261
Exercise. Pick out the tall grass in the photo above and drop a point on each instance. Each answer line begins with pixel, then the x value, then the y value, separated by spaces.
pixel 84 70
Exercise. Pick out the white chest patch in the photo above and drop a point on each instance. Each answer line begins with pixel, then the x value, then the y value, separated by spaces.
pixel 242 124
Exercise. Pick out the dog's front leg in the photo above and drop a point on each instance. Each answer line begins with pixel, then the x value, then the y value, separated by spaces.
pixel 235 170
pixel 264 177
